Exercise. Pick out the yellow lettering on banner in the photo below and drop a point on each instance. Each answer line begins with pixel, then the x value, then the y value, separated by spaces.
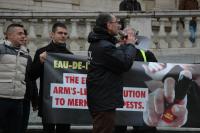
pixel 77 65
pixel 61 64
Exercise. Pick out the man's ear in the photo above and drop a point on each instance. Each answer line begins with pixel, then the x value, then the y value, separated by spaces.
pixel 108 26
pixel 5 35
pixel 51 34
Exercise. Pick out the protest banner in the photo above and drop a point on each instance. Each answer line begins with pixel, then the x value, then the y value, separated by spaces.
pixel 65 92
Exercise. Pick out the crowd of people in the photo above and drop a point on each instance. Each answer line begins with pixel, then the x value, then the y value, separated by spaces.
pixel 108 62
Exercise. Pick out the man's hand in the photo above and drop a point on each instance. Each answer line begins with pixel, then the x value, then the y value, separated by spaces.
pixel 131 38
pixel 156 106
pixel 43 57
pixel 162 99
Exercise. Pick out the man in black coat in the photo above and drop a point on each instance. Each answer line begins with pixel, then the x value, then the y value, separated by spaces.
pixel 107 63
pixel 130 5
pixel 57 45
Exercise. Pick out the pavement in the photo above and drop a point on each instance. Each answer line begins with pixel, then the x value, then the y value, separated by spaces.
pixel 89 131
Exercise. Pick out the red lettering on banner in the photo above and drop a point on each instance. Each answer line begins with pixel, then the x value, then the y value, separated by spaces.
pixel 60 101
pixel 61 90
pixel 72 79
pixel 134 93
pixel 77 102
pixel 83 80
pixel 83 91
pixel 74 91
pixel 133 105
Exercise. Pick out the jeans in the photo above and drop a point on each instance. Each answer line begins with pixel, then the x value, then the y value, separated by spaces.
pixel 192 28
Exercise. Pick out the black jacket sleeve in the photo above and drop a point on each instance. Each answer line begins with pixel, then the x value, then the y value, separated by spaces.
pixel 150 56
pixel 36 67
pixel 31 87
pixel 119 59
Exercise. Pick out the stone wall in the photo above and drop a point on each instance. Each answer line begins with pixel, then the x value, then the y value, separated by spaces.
pixel 79 5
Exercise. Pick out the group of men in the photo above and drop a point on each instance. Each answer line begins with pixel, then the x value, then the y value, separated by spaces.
pixel 18 74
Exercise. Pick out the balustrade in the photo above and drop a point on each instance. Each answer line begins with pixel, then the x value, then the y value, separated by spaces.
pixel 164 28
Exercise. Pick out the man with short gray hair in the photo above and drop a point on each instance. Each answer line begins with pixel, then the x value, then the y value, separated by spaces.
pixel 13 64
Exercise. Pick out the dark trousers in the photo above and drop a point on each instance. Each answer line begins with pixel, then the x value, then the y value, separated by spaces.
pixel 103 122
pixel 55 128
pixel 11 115
pixel 25 116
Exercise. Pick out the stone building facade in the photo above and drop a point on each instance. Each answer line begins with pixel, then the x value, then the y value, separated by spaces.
pixel 81 5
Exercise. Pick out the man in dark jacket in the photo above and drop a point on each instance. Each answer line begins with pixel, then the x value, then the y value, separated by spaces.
pixel 130 5
pixel 106 66
pixel 57 45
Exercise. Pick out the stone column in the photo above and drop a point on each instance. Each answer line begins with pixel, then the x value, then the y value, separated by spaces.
pixel 186 34
pixel 162 34
pixel 33 39
pixel 18 21
pixel 198 32
pixel 88 30
pixel 32 34
pixel 45 33
pixel 154 43
pixel 165 4
pixel 74 35
pixel 2 22
pixel 143 25
pixel 173 34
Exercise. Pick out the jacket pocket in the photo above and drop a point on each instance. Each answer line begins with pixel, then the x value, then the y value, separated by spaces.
pixel 6 87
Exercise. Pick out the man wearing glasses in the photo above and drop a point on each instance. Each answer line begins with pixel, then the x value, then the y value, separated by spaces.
pixel 106 66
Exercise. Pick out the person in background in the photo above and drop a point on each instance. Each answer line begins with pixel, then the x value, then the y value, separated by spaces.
pixel 128 5
pixel 107 63
pixel 31 94
pixel 190 5
pixel 59 36
pixel 13 68
pixel 144 56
